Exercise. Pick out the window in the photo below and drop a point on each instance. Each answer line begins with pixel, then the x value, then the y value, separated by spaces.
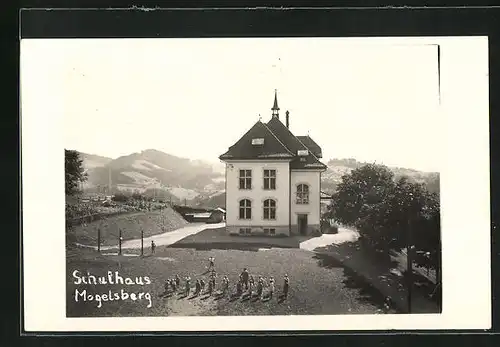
pixel 245 230
pixel 269 209
pixel 245 209
pixel 268 231
pixel 245 179
pixel 269 179
pixel 302 194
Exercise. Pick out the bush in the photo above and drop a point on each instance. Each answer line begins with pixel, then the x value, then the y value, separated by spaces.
pixel 334 229
pixel 120 197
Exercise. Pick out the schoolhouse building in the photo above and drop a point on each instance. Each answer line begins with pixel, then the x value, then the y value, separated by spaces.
pixel 273 180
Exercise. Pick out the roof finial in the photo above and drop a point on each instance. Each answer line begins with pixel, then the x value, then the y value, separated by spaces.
pixel 275 108
pixel 260 118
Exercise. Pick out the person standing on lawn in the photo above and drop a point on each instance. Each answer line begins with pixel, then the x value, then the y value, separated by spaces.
pixel 197 287
pixel 188 285
pixel 264 284
pixel 210 287
pixel 250 287
pixel 153 247
pixel 239 287
pixel 177 280
pixel 271 287
pixel 225 285
pixel 211 264
pixel 202 284
pixel 286 283
pixel 244 278
pixel 260 287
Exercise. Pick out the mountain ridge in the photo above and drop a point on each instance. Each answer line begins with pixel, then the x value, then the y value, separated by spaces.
pixel 179 179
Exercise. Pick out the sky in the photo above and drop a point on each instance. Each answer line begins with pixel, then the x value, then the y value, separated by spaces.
pixel 373 101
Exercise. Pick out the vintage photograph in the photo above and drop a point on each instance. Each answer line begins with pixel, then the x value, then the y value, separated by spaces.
pixel 251 177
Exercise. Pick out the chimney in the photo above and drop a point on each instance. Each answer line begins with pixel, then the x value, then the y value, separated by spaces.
pixel 287 118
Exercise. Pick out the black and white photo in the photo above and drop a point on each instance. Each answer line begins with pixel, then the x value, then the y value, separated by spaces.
pixel 252 177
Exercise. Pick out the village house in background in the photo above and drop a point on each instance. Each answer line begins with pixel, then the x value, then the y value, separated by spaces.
pixel 273 180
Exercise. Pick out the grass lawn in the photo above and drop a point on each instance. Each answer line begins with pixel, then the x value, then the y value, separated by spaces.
pixel 318 284
pixel 220 239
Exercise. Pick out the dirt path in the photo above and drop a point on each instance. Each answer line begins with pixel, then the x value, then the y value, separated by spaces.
pixel 165 239
pixel 344 235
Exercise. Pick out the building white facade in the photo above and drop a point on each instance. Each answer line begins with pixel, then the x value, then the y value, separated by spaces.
pixel 273 181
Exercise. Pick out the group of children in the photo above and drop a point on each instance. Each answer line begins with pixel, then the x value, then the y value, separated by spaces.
pixel 245 286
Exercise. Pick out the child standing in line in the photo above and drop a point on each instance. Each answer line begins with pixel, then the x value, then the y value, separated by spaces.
pixel 210 287
pixel 260 287
pixel 177 280
pixel 250 287
pixel 239 288
pixel 271 287
pixel 202 284
pixel 245 277
pixel 263 286
pixel 198 287
pixel 188 285
pixel 225 285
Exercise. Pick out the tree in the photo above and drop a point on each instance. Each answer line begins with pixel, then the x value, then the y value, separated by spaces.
pixel 385 211
pixel 74 171
pixel 359 191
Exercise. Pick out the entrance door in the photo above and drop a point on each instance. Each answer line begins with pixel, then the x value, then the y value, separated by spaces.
pixel 302 222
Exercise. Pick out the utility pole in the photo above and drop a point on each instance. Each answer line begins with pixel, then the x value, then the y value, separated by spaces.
pixel 109 180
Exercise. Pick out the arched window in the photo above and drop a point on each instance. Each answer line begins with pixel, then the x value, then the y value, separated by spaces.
pixel 269 209
pixel 245 209
pixel 302 194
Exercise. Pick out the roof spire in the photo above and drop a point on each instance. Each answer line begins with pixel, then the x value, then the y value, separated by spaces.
pixel 275 108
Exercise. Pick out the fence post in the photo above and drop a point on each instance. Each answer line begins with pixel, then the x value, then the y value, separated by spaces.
pixel 99 240
pixel 142 242
pixel 409 264
pixel 120 242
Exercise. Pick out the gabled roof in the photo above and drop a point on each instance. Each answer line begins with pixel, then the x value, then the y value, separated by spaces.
pixel 272 148
pixel 294 145
pixel 279 143
pixel 311 144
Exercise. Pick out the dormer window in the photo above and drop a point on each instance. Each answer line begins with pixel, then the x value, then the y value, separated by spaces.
pixel 303 153
pixel 257 142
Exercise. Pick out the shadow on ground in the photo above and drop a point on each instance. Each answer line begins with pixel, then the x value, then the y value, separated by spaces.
pixel 367 293
pixel 218 238
pixel 238 246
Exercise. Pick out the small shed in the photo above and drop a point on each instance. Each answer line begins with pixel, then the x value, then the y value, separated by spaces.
pixel 218 215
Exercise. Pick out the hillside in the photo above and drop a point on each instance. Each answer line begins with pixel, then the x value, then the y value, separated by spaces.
pixel 213 201
pixel 91 161
pixel 153 171
pixel 339 167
